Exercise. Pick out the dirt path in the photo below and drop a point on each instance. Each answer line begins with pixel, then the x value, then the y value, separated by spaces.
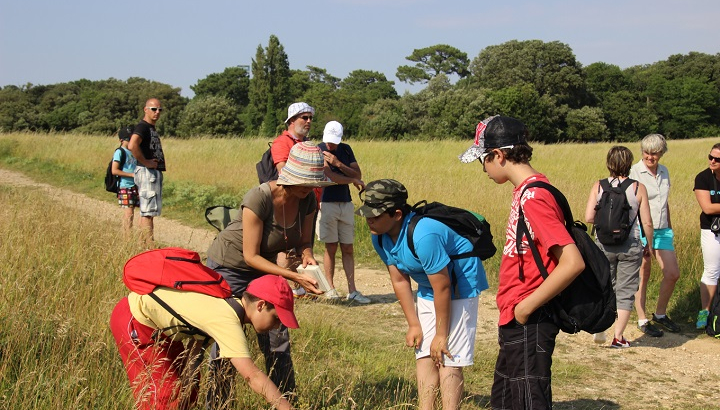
pixel 674 371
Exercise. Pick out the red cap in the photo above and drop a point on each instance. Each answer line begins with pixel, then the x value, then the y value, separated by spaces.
pixel 275 289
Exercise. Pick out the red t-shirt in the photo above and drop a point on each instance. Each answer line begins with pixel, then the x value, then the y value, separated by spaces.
pixel 546 224
pixel 281 147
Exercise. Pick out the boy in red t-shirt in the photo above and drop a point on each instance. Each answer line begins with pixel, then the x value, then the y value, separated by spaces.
pixel 526 333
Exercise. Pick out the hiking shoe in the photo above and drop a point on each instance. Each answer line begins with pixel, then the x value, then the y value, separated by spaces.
pixel 620 344
pixel 650 330
pixel 332 294
pixel 702 319
pixel 358 297
pixel 666 323
pixel 599 338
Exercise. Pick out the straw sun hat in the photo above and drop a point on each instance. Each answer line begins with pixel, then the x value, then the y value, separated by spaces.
pixel 304 167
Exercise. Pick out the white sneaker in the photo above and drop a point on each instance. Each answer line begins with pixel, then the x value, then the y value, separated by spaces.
pixel 358 297
pixel 599 338
pixel 332 294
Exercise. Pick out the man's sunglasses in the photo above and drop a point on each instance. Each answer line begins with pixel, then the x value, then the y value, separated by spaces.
pixel 307 118
pixel 153 109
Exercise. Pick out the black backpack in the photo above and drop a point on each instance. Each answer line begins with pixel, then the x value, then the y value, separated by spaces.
pixel 713 320
pixel 468 224
pixel 612 213
pixel 588 303
pixel 112 182
pixel 266 169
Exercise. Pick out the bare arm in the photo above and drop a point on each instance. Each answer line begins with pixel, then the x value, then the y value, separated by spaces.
pixel 570 264
pixel 403 291
pixel 703 199
pixel 115 169
pixel 134 147
pixel 591 203
pixel 442 298
pixel 260 383
pixel 350 174
pixel 645 216
pixel 252 236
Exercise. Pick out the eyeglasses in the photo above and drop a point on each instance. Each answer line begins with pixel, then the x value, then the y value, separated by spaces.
pixel 488 152
pixel 711 158
pixel 307 118
pixel 153 109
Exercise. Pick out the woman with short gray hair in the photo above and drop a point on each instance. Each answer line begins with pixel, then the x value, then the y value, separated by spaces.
pixel 656 179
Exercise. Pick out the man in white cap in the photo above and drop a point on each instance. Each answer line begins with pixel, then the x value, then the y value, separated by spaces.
pixel 299 120
pixel 336 220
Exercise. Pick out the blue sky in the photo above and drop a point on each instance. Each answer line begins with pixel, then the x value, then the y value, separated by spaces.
pixel 178 42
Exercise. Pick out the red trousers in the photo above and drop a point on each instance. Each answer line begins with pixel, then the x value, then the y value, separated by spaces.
pixel 154 368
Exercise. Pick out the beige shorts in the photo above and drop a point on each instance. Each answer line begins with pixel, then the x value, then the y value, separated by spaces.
pixel 336 222
pixel 463 324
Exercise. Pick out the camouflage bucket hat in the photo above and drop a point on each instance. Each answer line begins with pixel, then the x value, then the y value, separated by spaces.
pixel 381 195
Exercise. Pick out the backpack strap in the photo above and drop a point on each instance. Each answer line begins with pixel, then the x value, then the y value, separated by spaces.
pixel 411 244
pixel 187 328
pixel 522 229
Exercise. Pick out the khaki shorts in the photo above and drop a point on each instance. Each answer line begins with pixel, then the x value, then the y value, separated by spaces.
pixel 149 183
pixel 336 222
pixel 463 324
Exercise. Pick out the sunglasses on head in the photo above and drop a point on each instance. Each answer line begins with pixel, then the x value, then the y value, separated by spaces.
pixel 711 158
pixel 153 109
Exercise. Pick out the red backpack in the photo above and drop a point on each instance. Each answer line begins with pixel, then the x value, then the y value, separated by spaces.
pixel 176 268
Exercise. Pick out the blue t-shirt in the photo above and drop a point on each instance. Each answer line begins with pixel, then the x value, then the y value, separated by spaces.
pixel 434 244
pixel 129 166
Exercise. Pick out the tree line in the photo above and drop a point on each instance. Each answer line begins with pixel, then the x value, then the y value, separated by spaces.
pixel 539 82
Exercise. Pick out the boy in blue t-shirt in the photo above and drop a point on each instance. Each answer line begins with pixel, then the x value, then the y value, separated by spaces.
pixel 127 192
pixel 442 326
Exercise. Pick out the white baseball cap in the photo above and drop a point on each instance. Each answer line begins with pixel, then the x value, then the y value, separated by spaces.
pixel 298 108
pixel 333 132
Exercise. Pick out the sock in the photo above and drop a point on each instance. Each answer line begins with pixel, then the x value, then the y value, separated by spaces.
pixel 643 322
pixel 660 316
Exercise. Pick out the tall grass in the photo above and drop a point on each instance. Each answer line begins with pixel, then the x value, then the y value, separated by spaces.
pixel 60 272
pixel 204 172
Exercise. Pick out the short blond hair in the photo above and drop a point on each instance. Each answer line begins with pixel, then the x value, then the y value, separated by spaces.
pixel 654 143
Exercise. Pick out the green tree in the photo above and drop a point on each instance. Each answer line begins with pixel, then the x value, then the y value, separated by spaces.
pixel 539 113
pixel 232 83
pixel 358 89
pixel 210 115
pixel 384 119
pixel 586 124
pixel 269 89
pixel 683 105
pixel 550 67
pixel 628 118
pixel 432 61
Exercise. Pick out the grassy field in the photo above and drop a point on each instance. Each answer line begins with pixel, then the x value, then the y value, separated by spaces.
pixel 60 275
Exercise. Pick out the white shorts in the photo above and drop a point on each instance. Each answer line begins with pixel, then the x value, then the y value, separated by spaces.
pixel 336 222
pixel 463 324
pixel 711 257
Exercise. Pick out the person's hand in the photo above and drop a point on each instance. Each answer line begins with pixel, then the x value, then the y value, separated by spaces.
pixel 413 337
pixel 521 312
pixel 359 184
pixel 331 159
pixel 308 283
pixel 439 350
pixel 151 163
